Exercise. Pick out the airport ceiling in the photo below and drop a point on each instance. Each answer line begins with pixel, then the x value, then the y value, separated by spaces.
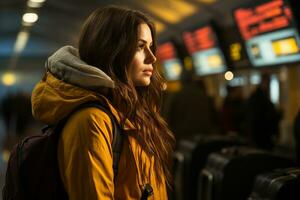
pixel 59 22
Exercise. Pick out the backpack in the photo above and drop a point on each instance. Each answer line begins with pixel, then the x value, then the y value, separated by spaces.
pixel 33 172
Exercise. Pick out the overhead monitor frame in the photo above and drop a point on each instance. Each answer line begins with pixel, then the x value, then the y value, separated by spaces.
pixel 172 66
pixel 270 32
pixel 203 45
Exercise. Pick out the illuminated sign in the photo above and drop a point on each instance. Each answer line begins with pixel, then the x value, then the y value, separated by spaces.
pixel 172 66
pixel 200 39
pixel 202 45
pixel 269 32
pixel 285 46
pixel 166 51
pixel 263 18
pixel 235 51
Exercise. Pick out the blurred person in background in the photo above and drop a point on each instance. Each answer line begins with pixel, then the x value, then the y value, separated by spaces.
pixel 17 117
pixel 191 110
pixel 261 123
pixel 297 136
pixel 232 111
pixel 113 65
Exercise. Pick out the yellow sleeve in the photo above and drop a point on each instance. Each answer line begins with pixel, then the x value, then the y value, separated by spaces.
pixel 85 156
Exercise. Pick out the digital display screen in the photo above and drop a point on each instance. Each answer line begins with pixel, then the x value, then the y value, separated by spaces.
pixel 203 46
pixel 172 66
pixel 269 31
pixel 234 49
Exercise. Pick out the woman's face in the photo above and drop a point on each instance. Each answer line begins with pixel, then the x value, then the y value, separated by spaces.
pixel 141 68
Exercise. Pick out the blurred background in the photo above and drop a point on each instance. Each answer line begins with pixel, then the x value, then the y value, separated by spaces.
pixel 231 66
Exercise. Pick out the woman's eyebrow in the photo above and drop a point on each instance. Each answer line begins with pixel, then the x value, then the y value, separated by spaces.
pixel 145 42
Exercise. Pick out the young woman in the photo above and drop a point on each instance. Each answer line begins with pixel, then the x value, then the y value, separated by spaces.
pixel 114 65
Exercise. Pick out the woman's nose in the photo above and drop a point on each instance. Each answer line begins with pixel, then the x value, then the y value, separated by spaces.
pixel 150 57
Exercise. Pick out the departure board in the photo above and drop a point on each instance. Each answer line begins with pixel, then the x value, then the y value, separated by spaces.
pixel 269 31
pixel 202 45
pixel 167 56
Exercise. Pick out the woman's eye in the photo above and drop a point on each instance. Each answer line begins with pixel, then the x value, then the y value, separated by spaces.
pixel 141 46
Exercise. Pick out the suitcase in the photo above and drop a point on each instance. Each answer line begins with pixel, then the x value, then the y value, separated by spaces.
pixel 277 185
pixel 190 157
pixel 229 174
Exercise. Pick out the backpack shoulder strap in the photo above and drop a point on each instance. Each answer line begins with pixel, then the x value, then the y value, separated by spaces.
pixel 118 135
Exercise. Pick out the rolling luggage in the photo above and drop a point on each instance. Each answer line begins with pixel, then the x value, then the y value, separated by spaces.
pixel 229 174
pixel 277 185
pixel 190 157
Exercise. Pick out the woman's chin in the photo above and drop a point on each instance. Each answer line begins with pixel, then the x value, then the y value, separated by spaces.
pixel 143 83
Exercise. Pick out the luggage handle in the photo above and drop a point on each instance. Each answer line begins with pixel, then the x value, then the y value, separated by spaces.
pixel 295 172
pixel 205 193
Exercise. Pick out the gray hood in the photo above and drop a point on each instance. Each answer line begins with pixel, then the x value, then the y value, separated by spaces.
pixel 66 65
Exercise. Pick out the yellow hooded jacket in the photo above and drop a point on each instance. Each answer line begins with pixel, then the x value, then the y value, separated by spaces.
pixel 85 150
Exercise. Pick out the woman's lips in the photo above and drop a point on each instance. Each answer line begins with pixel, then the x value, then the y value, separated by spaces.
pixel 148 72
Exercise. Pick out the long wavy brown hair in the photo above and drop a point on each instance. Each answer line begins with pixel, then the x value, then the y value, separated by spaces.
pixel 109 40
